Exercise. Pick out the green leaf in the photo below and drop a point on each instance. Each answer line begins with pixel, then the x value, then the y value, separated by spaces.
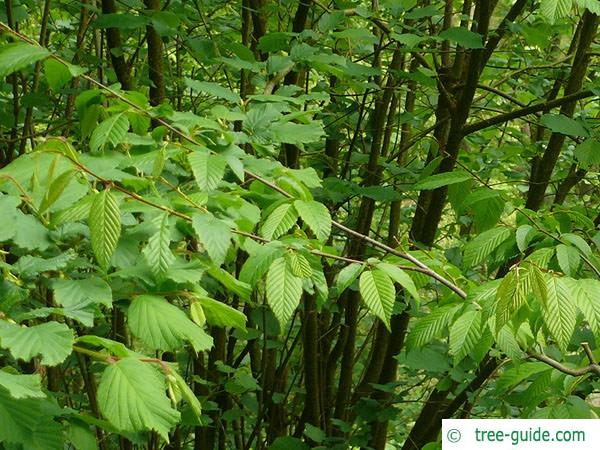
pixel 588 153
pixel 523 235
pixel 55 189
pixel 299 265
pixel 587 296
pixel 560 313
pixel 378 293
pixel 555 9
pixel 22 386
pixel 208 169
pixel 188 395
pixel 259 262
pixel 400 277
pixel 53 341
pixel 105 226
pixel 346 276
pixel 284 290
pixel 163 326
pixel 214 234
pixel 536 282
pixel 214 89
pixel 463 37
pixel 296 133
pixel 110 131
pixel 131 395
pixel 221 315
pixel 19 55
pixel 279 221
pixel 316 216
pixel 568 259
pixel 80 297
pixel 57 74
pixel 559 123
pixel 477 250
pixel 465 333
pixel 158 252
pixel 510 296
pixel 430 326
pixel 592 5
pixel 440 179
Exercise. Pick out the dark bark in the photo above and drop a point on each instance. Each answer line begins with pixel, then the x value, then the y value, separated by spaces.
pixel 115 48
pixel 155 58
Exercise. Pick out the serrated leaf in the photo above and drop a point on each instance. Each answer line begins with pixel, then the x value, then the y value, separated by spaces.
pixel 537 283
pixel 477 250
pixel 592 5
pixel 378 293
pixel 587 295
pixel 105 226
pixel 523 236
pixel 214 89
pixel 299 265
pixel 52 341
pixel 316 216
pixel 188 395
pixel 208 169
pixel 221 315
pixel 164 326
pixel 131 395
pixel 55 189
pixel 110 131
pixel 508 344
pixel 158 252
pixel 400 277
pixel 279 221
pixel 588 152
pixel 347 276
pixel 284 290
pixel 465 333
pixel 568 259
pixel 214 234
pixel 22 386
pixel 555 9
pixel 430 326
pixel 259 262
pixel 441 179
pixel 560 313
pixel 559 123
pixel 19 55
pixel 79 298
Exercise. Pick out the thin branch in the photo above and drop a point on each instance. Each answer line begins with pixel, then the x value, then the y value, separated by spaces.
pixel 591 368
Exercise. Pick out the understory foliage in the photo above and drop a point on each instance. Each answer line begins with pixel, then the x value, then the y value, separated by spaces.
pixel 295 224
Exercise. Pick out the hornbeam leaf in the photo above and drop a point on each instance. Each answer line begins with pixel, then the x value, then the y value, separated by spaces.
pixel 559 313
pixel 484 244
pixel 19 55
pixel 279 221
pixel 158 253
pixel 378 293
pixel 110 131
pixel 164 326
pixel 131 395
pixel 208 169
pixel 105 226
pixel 316 216
pixel 214 234
pixel 465 333
pixel 53 341
pixel 22 386
pixel 284 290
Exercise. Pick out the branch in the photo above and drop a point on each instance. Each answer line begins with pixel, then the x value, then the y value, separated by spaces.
pixel 590 368
pixel 469 129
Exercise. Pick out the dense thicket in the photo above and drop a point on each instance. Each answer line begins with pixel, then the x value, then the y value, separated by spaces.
pixel 295 224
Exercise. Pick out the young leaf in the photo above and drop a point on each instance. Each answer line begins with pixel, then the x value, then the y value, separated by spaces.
pixel 55 189
pixel 509 297
pixel 465 333
pixel 316 216
pixel 105 226
pixel 378 293
pixel 163 326
pixel 560 313
pixel 158 253
pixel 19 55
pixel 131 395
pixel 284 290
pixel 53 341
pixel 279 221
pixel 110 131
pixel 299 265
pixel 208 169
pixel 477 250
pixel 214 234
